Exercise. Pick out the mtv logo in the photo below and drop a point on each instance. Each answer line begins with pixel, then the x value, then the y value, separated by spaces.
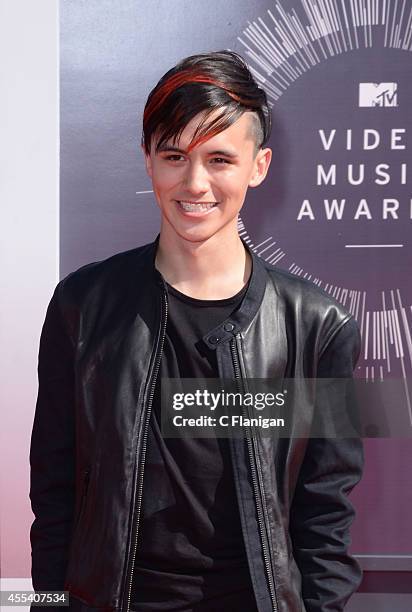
pixel 378 94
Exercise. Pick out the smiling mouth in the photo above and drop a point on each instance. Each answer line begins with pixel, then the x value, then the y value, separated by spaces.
pixel 196 206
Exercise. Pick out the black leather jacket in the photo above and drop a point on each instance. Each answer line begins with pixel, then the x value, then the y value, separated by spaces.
pixel 99 357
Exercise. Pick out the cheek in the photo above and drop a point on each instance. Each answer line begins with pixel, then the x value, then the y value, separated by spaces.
pixel 237 184
pixel 235 189
pixel 231 181
pixel 163 180
pixel 241 176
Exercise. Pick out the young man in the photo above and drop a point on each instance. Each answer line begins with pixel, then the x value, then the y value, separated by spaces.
pixel 126 519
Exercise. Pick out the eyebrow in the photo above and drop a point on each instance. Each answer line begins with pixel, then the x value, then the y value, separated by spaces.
pixel 169 148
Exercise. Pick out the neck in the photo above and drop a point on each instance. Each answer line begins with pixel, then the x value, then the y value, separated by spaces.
pixel 213 269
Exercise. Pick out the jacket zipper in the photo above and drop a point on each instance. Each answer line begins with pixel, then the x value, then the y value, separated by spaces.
pixel 162 334
pixel 257 487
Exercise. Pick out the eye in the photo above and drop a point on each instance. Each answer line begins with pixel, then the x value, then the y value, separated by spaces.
pixel 220 160
pixel 174 158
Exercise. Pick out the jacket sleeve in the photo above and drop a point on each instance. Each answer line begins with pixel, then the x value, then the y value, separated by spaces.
pixel 321 513
pixel 52 454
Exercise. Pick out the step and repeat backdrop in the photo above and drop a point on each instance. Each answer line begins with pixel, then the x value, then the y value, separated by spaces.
pixel 336 207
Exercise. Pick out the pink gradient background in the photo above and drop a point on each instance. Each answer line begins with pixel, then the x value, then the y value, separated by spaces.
pixel 29 200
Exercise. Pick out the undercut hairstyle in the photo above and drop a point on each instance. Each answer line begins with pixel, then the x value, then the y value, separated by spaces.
pixel 205 83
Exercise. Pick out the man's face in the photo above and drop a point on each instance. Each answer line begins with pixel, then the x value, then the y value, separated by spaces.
pixel 201 193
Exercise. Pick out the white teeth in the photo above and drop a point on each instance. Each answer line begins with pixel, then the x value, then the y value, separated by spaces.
pixel 193 207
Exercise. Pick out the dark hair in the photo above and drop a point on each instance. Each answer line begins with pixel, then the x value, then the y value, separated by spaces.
pixel 205 83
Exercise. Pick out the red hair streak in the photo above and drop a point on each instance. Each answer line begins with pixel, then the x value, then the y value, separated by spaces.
pixel 177 80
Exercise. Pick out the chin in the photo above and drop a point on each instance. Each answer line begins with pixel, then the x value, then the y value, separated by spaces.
pixel 192 231
pixel 195 235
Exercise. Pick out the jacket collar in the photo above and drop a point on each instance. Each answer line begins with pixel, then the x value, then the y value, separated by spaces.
pixel 245 313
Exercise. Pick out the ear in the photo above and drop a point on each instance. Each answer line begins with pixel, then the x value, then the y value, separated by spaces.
pixel 147 161
pixel 260 167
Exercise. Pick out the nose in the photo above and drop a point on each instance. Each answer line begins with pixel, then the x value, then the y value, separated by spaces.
pixel 196 178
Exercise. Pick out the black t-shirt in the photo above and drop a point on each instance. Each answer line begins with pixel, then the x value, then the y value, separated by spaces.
pixel 190 551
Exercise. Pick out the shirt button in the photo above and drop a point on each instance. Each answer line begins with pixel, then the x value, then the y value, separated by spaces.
pixel 228 327
pixel 214 339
